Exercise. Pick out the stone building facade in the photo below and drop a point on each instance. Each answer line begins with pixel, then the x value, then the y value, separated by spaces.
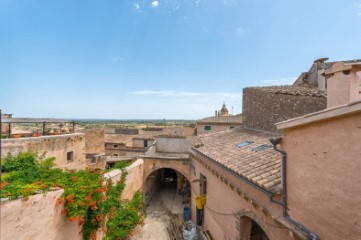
pixel 68 149
pixel 265 106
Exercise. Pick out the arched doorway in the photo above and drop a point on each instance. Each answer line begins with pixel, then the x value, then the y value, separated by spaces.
pixel 167 188
pixel 251 230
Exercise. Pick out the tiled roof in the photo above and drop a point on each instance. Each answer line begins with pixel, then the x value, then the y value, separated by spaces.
pixel 291 90
pixel 260 167
pixel 229 119
pixel 171 131
pixel 119 138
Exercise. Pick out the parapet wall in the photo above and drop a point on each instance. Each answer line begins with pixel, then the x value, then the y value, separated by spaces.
pixel 261 110
pixel 37 218
pixel 53 146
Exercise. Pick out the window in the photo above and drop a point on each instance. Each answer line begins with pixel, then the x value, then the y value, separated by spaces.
pixel 69 156
pixel 261 148
pixel 145 143
pixel 207 128
pixel 231 127
pixel 203 184
pixel 115 145
pixel 243 144
pixel 115 154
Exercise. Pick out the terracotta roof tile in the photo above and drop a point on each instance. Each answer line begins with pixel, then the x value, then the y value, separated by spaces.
pixel 262 167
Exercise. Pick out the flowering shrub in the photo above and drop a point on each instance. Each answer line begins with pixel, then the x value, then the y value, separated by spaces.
pixel 88 198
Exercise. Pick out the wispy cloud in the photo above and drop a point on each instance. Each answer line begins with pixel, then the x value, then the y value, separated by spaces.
pixel 136 6
pixel 117 59
pixel 171 93
pixel 279 81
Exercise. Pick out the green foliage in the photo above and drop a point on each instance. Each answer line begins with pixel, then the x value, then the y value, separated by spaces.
pixel 88 198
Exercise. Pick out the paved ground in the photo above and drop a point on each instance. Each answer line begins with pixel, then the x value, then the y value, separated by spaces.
pixel 165 204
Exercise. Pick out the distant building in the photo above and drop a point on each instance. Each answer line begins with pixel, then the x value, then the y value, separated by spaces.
pixel 220 122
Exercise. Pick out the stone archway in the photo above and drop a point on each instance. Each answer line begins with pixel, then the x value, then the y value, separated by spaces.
pixel 167 178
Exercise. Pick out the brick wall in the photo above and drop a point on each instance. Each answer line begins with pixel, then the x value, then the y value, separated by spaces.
pixel 261 110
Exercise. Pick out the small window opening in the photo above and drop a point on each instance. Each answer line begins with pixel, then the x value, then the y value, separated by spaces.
pixel 203 184
pixel 69 156
pixel 207 128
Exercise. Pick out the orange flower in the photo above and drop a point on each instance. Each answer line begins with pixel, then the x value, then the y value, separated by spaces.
pixel 94 208
pixel 88 198
pixel 92 204
pixel 74 178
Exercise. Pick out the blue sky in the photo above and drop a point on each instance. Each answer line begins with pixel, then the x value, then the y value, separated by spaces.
pixel 173 59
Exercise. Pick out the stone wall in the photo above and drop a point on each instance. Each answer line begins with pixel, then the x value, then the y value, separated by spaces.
pixel 53 146
pixel 261 110
pixel 94 140
pixel 172 145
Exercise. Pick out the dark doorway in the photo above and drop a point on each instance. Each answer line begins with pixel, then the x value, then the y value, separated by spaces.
pixel 257 232
pixel 250 230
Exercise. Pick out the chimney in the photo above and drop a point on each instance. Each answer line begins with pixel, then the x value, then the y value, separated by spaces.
pixel 216 113
pixel 321 79
pixel 343 83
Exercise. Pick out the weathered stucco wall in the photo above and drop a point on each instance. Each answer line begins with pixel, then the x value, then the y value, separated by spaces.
pixel 172 145
pixel 214 127
pixel 134 179
pixel 225 205
pixel 54 146
pixel 138 142
pixel 261 110
pixel 323 176
pixel 94 140
pixel 37 218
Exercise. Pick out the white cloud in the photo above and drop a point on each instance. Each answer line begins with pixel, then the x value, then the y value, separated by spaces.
pixel 171 93
pixel 279 81
pixel 117 59
pixel 155 4
pixel 136 6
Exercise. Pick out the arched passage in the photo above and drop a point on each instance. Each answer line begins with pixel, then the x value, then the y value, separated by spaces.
pixel 167 188
pixel 251 230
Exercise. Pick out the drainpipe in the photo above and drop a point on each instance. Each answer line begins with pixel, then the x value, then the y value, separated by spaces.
pixel 311 234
